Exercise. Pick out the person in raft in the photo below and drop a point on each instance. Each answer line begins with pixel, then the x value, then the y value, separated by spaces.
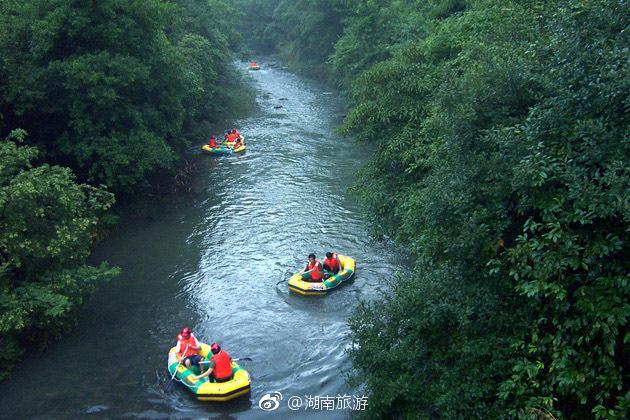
pixel 232 136
pixel 187 349
pixel 313 270
pixel 220 366
pixel 237 143
pixel 213 142
pixel 331 263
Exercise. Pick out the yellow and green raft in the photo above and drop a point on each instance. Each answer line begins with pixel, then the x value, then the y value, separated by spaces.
pixel 225 148
pixel 205 389
pixel 298 284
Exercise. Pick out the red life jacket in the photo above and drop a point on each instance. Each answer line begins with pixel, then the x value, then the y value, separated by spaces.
pixel 187 343
pixel 232 137
pixel 222 365
pixel 317 273
pixel 213 142
pixel 333 262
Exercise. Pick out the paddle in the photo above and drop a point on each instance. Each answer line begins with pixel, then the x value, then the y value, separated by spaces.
pixel 243 359
pixel 177 367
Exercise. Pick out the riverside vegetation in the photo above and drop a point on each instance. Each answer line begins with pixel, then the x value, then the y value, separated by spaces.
pixel 503 165
pixel 96 98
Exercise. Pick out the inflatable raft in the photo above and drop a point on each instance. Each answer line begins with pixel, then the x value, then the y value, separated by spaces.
pixel 219 150
pixel 299 285
pixel 204 389
pixel 225 148
pixel 231 143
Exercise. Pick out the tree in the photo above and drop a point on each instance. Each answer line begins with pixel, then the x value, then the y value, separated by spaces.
pixel 46 226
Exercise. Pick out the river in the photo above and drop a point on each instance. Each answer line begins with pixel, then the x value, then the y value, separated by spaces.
pixel 210 260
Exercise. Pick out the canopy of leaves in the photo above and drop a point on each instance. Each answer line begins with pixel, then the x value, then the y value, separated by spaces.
pixel 114 89
pixel 46 226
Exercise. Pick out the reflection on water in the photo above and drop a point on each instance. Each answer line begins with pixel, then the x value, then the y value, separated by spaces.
pixel 211 261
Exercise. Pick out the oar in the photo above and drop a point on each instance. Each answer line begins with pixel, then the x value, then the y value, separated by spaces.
pixel 288 273
pixel 177 367
pixel 240 359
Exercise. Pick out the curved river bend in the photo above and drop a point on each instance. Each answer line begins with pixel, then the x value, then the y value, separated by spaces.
pixel 211 260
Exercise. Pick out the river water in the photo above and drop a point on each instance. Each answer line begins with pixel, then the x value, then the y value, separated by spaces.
pixel 210 260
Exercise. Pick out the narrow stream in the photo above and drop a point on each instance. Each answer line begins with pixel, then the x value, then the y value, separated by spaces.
pixel 210 260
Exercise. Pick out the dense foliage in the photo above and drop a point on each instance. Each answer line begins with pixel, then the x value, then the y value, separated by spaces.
pixel 115 89
pixel 47 221
pixel 302 32
pixel 503 164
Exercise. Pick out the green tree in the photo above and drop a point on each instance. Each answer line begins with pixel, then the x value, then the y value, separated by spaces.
pixel 46 226
pixel 114 89
pixel 503 164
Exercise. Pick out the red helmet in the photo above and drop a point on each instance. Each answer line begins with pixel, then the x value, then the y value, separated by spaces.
pixel 215 348
pixel 185 331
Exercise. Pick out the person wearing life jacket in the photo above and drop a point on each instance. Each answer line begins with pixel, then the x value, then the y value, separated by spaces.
pixel 232 136
pixel 313 270
pixel 331 263
pixel 220 366
pixel 187 349
pixel 213 142
pixel 237 143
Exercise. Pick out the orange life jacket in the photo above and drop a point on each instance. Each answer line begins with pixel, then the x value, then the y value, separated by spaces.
pixel 187 343
pixel 317 273
pixel 232 137
pixel 222 365
pixel 333 262
pixel 213 142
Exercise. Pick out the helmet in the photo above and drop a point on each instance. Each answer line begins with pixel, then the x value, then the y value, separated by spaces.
pixel 215 348
pixel 312 256
pixel 185 331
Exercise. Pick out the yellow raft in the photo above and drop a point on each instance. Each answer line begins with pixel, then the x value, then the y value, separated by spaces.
pixel 231 143
pixel 204 389
pixel 226 147
pixel 298 285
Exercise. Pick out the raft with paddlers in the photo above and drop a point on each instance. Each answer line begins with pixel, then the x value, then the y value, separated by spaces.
pixel 299 283
pixel 232 143
pixel 206 389
pixel 227 147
